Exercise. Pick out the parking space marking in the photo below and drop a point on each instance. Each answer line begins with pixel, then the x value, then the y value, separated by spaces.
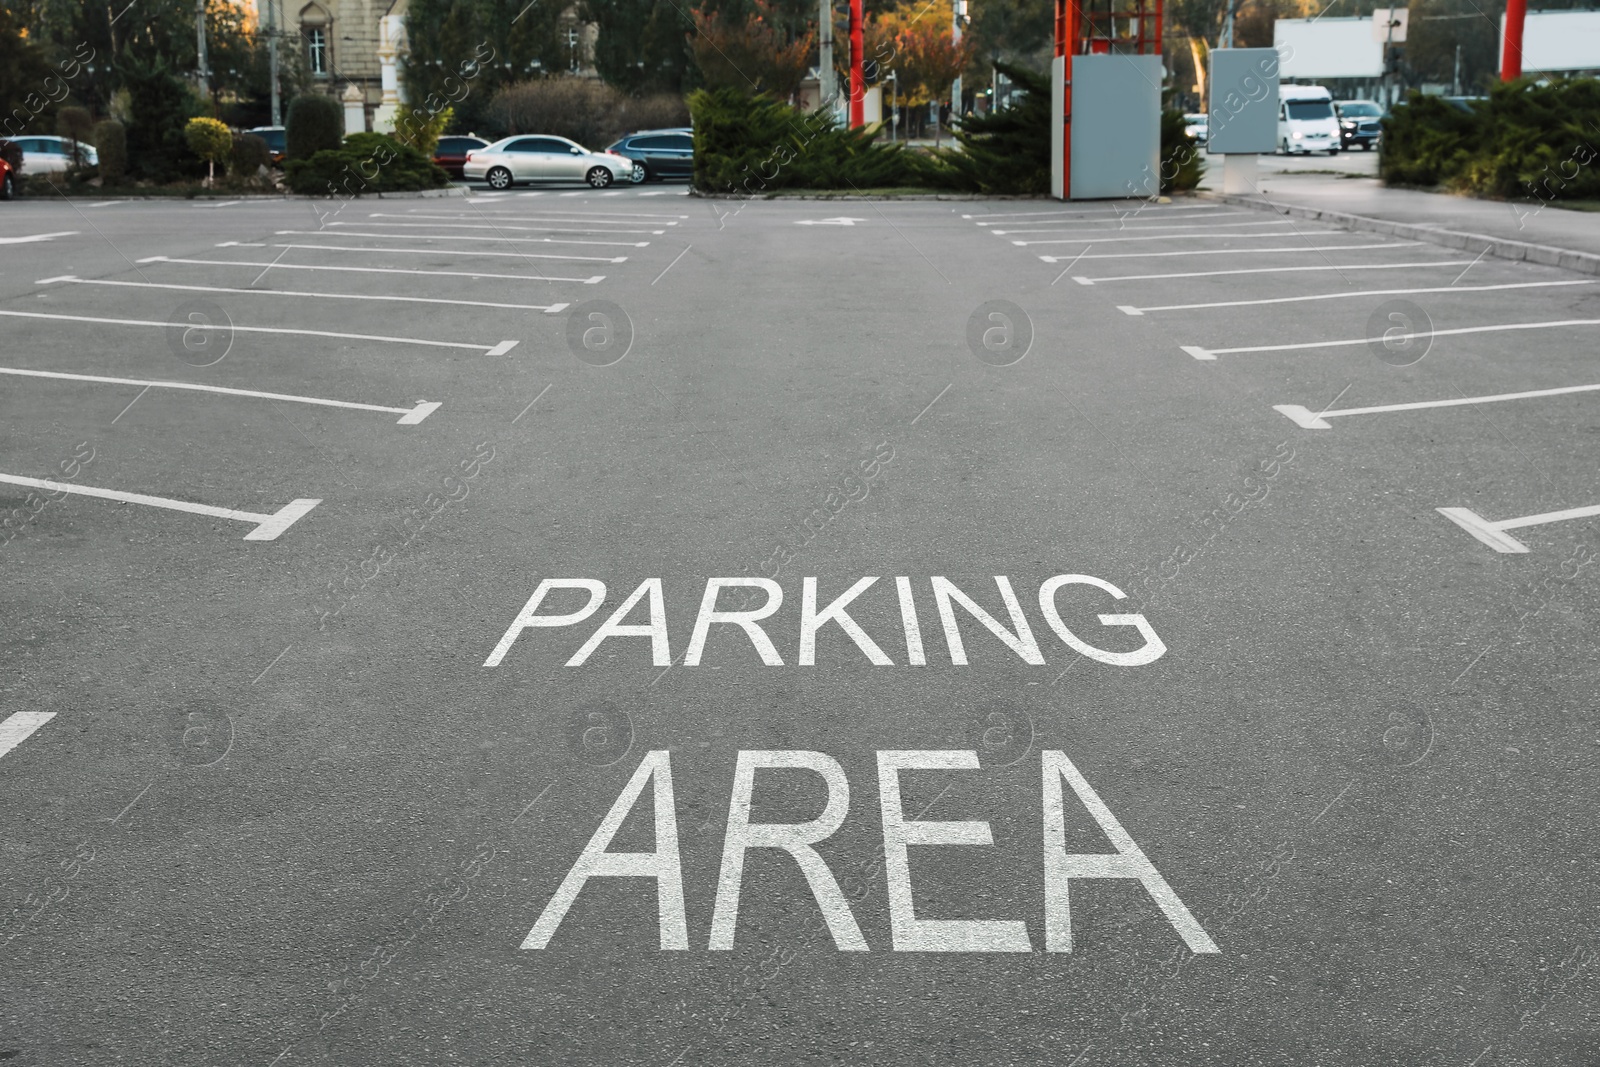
pixel 19 727
pixel 410 416
pixel 1493 533
pixel 436 251
pixel 1069 213
pixel 267 527
pixel 475 274
pixel 1093 238
pixel 1128 227
pixel 495 226
pixel 451 237
pixel 548 309
pixel 1266 270
pixel 1212 353
pixel 37 237
pixel 497 349
pixel 567 215
pixel 1130 310
pixel 1313 420
pixel 1236 251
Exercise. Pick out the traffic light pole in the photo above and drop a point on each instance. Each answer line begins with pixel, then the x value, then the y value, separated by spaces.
pixel 858 85
pixel 1511 52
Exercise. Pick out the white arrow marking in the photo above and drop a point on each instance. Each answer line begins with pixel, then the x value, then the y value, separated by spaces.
pixel 36 237
pixel 20 726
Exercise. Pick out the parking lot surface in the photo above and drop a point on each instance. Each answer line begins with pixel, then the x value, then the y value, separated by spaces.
pixel 628 628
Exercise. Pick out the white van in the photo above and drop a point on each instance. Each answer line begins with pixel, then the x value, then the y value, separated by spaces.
pixel 1306 122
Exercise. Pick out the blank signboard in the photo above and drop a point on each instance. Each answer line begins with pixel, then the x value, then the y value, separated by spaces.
pixel 1244 100
pixel 1116 126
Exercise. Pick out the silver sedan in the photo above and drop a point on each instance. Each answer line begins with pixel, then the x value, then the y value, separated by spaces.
pixel 544 159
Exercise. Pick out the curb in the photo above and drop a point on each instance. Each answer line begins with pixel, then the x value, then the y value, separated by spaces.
pixel 1499 247
pixel 783 195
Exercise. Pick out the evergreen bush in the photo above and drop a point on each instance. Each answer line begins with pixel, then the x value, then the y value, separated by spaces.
pixel 316 124
pixel 364 163
pixel 111 144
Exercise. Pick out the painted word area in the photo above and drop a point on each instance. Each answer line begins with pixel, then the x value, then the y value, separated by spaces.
pixel 947 598
pixel 907 932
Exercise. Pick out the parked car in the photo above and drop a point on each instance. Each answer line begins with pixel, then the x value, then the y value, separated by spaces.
pixel 10 158
pixel 451 153
pixel 1305 120
pixel 659 154
pixel 1198 125
pixel 1360 123
pixel 45 155
pixel 277 139
pixel 543 159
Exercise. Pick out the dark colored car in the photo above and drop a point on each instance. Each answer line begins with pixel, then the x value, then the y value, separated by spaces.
pixel 277 139
pixel 658 154
pixel 451 153
pixel 10 168
pixel 1360 123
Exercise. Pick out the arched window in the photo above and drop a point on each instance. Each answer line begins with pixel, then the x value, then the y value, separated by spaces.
pixel 315 28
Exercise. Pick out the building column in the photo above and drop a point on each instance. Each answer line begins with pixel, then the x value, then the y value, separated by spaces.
pixel 355 109
pixel 391 30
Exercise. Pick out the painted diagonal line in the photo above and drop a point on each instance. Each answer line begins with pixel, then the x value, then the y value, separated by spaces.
pixel 1245 251
pixel 1128 227
pixel 496 228
pixel 414 415
pixel 268 527
pixel 1494 534
pixel 1367 340
pixel 19 727
pixel 564 216
pixel 1071 214
pixel 486 349
pixel 549 309
pixel 1092 237
pixel 1263 270
pixel 437 251
pixel 1313 420
pixel 1354 295
pixel 475 274
pixel 450 237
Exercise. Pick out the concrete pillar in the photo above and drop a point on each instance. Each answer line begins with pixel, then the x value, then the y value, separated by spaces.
pixel 355 109
pixel 391 34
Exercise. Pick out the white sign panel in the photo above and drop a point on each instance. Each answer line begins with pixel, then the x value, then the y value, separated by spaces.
pixel 1558 40
pixel 1389 24
pixel 1327 48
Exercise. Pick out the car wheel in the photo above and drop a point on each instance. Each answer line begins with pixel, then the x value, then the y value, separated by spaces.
pixel 8 188
pixel 640 174
pixel 498 178
pixel 599 177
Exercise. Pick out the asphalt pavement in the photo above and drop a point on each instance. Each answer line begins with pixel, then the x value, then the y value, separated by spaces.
pixel 377 691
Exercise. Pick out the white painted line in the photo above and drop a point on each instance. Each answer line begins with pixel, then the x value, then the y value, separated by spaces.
pixel 437 251
pixel 536 192
pixel 1127 310
pixel 1493 533
pixel 241 244
pixel 373 270
pixel 1355 293
pixel 35 238
pixel 501 349
pixel 108 203
pixel 1109 213
pixel 486 349
pixel 1365 340
pixel 463 221
pixel 225 203
pixel 412 415
pixel 548 309
pixel 580 192
pixel 1266 270
pixel 451 237
pixel 268 527
pixel 1236 251
pixel 19 727
pixel 1198 352
pixel 1093 237
pixel 1315 421
pixel 572 214
pixel 1128 228
pixel 497 227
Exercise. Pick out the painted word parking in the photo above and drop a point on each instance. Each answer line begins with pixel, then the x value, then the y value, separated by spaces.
pixel 946 595
pixel 909 934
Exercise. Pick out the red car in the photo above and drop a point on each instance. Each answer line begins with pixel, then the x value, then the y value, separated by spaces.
pixel 451 154
pixel 10 169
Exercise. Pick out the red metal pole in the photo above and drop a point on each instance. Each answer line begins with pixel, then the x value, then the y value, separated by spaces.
pixel 1511 55
pixel 858 87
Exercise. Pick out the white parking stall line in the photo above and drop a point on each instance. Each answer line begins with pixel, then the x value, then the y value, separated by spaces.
pixel 37 237
pixel 267 527
pixel 1355 294
pixel 1493 533
pixel 580 192
pixel 456 237
pixel 1070 213
pixel 1315 420
pixel 474 274
pixel 535 192
pixel 225 203
pixel 542 212
pixel 19 727
pixel 548 309
pixel 1212 353
pixel 499 349
pixel 408 416
pixel 1161 223
pixel 497 227
pixel 1231 251
pixel 436 251
pixel 1095 239
pixel 1081 280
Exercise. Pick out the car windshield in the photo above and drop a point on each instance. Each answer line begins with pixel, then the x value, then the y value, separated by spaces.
pixel 1310 109
pixel 1360 111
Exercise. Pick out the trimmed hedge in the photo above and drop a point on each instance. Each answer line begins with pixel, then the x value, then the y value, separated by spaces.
pixel 111 145
pixel 316 124
pixel 755 144
pixel 1522 141
pixel 364 163
pixel 1006 151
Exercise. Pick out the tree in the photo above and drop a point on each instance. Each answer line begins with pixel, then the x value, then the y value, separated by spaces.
pixel 211 141
pixel 929 57
pixel 643 45
pixel 23 71
pixel 753 54
pixel 160 104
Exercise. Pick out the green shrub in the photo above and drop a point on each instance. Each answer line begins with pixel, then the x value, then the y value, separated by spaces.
pixel 160 104
pixel 316 124
pixel 74 124
pixel 421 128
pixel 250 153
pixel 1524 141
pixel 754 144
pixel 364 163
pixel 111 142
pixel 1006 151
pixel 209 139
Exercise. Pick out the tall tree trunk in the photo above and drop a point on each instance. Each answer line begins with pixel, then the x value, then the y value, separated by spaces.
pixel 1198 50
